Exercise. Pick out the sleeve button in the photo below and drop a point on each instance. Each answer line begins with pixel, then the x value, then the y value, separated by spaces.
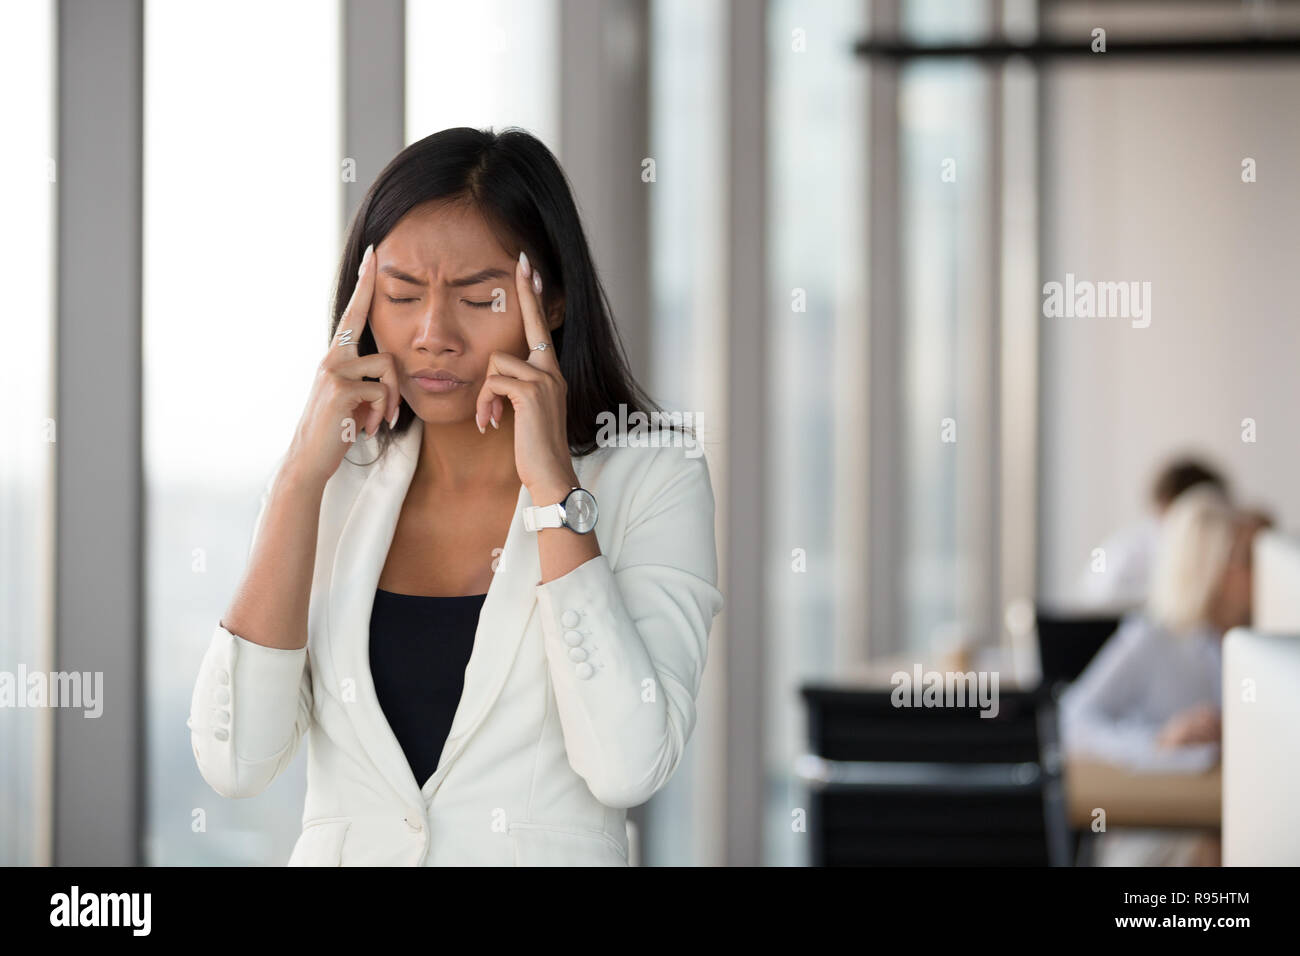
pixel 572 638
pixel 577 654
pixel 583 670
pixel 223 696
pixel 223 677
pixel 223 716
pixel 221 733
pixel 570 618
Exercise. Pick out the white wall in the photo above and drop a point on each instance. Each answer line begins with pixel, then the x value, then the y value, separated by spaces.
pixel 1142 181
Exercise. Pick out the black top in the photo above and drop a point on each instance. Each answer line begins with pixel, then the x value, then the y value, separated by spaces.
pixel 419 648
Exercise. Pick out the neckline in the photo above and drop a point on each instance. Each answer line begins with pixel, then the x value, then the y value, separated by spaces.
pixel 432 597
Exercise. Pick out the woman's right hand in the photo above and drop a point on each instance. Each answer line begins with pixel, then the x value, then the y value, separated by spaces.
pixel 1195 725
pixel 341 402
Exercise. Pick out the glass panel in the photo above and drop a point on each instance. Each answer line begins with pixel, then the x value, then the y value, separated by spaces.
pixel 490 63
pixel 687 133
pixel 947 335
pixel 242 193
pixel 945 21
pixel 27 195
pixel 817 249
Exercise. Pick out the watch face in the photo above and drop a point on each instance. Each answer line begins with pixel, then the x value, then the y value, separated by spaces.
pixel 580 510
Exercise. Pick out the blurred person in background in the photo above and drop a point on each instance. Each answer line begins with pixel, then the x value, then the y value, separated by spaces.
pixel 1130 552
pixel 1255 519
pixel 1150 701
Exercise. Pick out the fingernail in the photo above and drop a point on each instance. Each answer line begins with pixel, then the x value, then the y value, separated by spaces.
pixel 537 282
pixel 523 260
pixel 481 429
pixel 493 420
pixel 392 422
pixel 365 257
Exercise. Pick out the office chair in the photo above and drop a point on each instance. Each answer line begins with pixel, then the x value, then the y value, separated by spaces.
pixel 1067 643
pixel 937 786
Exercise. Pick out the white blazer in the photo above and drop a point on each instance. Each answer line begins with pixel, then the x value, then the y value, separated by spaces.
pixel 544 754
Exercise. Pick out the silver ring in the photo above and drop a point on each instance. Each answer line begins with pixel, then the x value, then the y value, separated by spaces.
pixel 541 347
pixel 343 337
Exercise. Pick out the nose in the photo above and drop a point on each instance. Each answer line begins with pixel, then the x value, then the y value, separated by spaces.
pixel 437 328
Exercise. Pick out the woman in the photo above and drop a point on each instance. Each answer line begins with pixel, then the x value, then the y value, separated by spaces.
pixel 1130 552
pixel 495 620
pixel 1151 698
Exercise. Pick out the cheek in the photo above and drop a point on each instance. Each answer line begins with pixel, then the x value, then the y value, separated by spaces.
pixel 499 332
pixel 380 327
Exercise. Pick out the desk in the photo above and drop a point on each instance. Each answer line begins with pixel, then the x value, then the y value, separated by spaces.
pixel 1142 799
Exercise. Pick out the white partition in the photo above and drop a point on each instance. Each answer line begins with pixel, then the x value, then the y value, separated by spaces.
pixel 1276 590
pixel 1261 776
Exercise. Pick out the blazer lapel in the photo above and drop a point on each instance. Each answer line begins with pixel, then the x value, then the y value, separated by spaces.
pixel 511 599
pixel 359 559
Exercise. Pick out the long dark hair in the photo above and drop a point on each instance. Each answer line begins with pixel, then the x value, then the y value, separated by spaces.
pixel 518 187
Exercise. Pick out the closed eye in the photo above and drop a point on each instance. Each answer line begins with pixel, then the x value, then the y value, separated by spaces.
pixel 391 299
pixel 477 305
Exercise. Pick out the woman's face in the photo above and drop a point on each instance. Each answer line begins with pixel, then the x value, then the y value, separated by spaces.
pixel 439 272
pixel 1232 604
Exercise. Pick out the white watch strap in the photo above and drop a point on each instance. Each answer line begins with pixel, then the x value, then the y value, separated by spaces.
pixel 544 516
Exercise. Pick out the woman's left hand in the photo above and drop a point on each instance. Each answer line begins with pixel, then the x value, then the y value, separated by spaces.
pixel 538 393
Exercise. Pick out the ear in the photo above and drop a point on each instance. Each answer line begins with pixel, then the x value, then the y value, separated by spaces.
pixel 555 318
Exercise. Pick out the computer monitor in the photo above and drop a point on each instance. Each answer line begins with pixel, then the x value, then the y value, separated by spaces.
pixel 1276 575
pixel 1261 714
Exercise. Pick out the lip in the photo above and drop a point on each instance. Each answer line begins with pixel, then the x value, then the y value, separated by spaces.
pixel 440 380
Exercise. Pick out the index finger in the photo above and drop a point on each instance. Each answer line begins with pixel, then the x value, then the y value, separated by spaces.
pixel 353 321
pixel 530 304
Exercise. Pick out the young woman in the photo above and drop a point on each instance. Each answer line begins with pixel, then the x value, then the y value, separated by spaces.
pixel 495 619
pixel 1151 698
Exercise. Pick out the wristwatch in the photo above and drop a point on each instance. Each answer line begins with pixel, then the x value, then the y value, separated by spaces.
pixel 577 512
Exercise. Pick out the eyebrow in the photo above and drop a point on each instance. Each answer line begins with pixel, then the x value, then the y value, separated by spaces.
pixel 481 276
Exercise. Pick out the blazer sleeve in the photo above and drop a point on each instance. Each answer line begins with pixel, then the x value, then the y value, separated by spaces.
pixel 626 646
pixel 250 708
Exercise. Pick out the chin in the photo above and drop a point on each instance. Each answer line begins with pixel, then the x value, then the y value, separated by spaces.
pixel 435 412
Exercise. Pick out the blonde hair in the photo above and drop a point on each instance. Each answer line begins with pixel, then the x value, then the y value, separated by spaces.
pixel 1196 540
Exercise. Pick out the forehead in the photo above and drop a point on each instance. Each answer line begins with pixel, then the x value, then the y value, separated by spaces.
pixel 436 235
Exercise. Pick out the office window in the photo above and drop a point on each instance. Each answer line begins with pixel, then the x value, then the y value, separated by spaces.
pixel 242 196
pixel 817 299
pixel 27 195
pixel 491 63
pixel 687 235
pixel 947 334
